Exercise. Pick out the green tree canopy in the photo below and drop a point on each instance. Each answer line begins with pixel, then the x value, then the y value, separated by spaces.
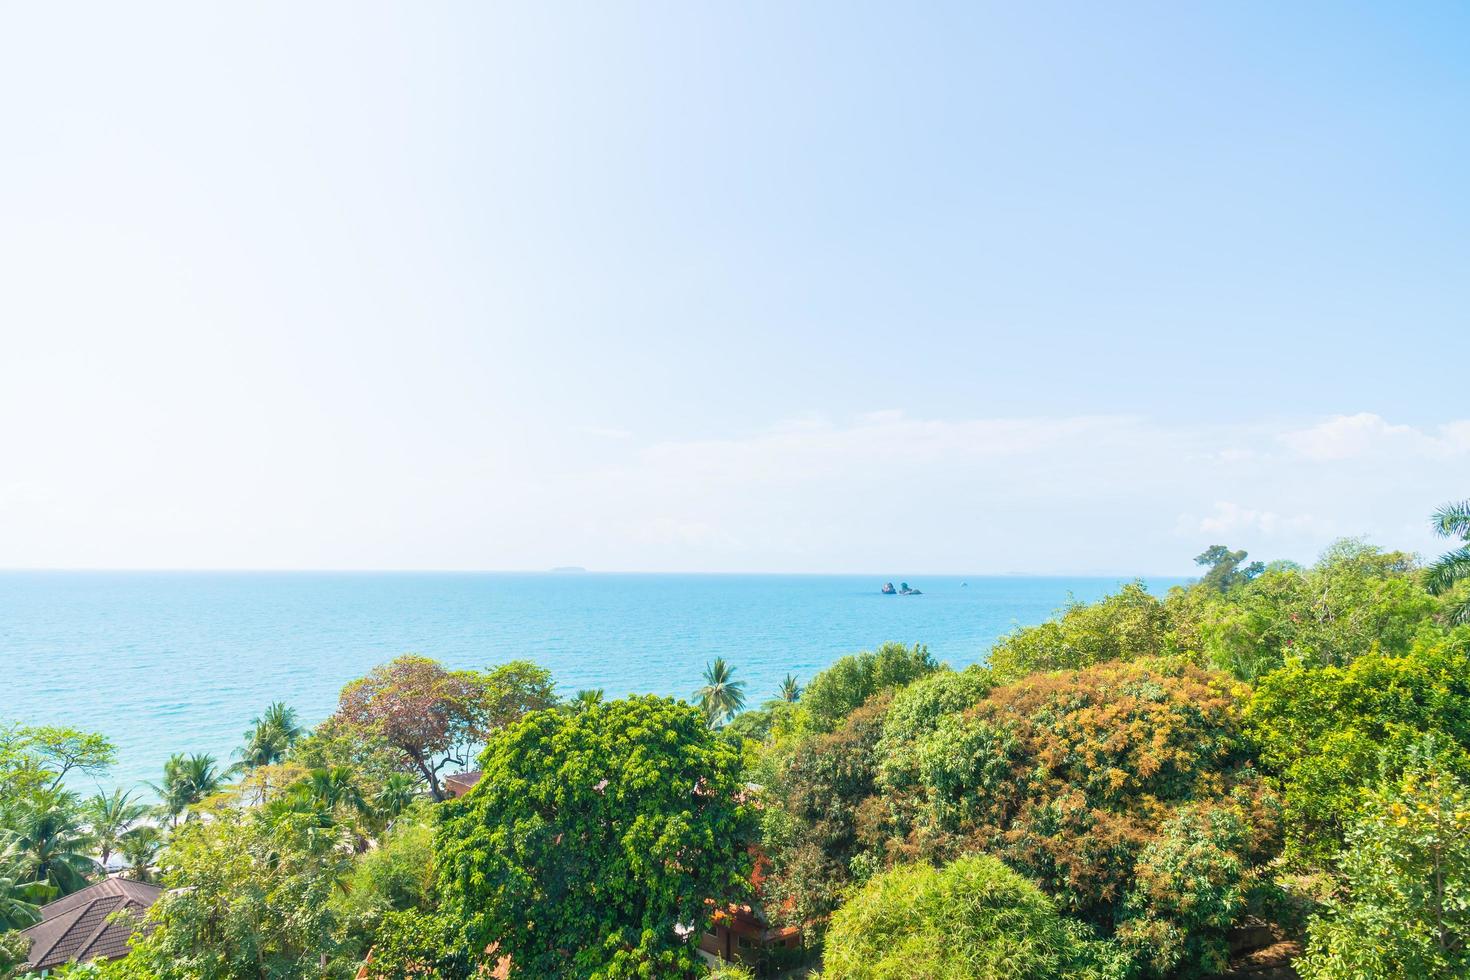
pixel 1405 907
pixel 1226 568
pixel 1331 732
pixel 974 919
pixel 851 680
pixel 594 840
pixel 1124 626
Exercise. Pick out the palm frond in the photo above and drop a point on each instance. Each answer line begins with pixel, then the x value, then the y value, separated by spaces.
pixel 1448 570
pixel 1452 520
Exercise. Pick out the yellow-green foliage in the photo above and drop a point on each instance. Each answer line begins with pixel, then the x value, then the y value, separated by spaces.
pixel 974 919
pixel 1125 626
pixel 1404 910
pixel 850 681
pixel 1330 732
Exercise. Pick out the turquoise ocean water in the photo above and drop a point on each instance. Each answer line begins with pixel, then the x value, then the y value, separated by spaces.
pixel 181 661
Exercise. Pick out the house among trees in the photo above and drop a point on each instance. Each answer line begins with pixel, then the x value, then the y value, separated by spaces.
pixel 460 783
pixel 743 933
pixel 81 927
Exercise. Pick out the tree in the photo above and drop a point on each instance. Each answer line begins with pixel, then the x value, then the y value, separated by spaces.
pixel 110 816
pixel 1331 733
pixel 594 841
pixel 15 947
pixel 974 919
pixel 851 680
pixel 271 736
pixel 250 896
pixel 139 847
pixel 1225 569
pixel 331 794
pixel 515 689
pixel 1125 626
pixel 582 700
pixel 20 899
pixel 1453 567
pixel 396 795
pixel 427 713
pixel 187 780
pixel 1405 908
pixel 790 690
pixel 721 696
pixel 820 787
pixel 49 841
pixel 1081 781
pixel 1355 600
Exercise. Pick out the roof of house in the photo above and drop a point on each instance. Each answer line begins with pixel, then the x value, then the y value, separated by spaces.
pixel 460 783
pixel 78 927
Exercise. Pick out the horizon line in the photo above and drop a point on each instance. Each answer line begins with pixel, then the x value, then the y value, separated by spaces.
pixel 572 570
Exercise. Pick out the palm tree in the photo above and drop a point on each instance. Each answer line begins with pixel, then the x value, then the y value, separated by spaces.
pixel 20 900
pixel 399 791
pixel 330 790
pixel 139 848
pixel 1452 521
pixel 589 698
pixel 186 781
pixel 271 736
pixel 110 816
pixel 720 697
pixel 49 842
pixel 789 691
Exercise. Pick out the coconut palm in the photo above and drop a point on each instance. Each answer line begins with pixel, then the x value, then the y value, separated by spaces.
pixel 1452 521
pixel 398 792
pixel 789 691
pixel 110 816
pixel 139 847
pixel 270 736
pixel 49 842
pixel 20 900
pixel 589 698
pixel 330 790
pixel 720 697
pixel 187 779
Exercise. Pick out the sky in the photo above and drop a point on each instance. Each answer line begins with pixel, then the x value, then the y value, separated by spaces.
pixel 841 287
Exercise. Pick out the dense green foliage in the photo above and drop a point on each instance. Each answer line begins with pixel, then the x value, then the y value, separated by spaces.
pixel 593 839
pixel 1120 793
pixel 1405 906
pixel 850 681
pixel 974 919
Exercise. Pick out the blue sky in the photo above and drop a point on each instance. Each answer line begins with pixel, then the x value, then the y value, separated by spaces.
pixel 839 287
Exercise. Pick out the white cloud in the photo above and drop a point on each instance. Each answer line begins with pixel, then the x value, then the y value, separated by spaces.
pixel 1367 435
pixel 1232 518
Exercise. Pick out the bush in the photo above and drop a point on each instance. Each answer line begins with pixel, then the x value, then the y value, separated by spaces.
pixel 974 918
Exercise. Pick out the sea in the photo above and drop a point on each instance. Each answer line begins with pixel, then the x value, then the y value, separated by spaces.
pixel 164 662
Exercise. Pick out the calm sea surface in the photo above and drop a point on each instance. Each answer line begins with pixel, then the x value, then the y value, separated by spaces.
pixel 167 662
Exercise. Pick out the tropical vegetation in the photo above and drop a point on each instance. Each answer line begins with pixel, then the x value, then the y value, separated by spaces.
pixel 1271 762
